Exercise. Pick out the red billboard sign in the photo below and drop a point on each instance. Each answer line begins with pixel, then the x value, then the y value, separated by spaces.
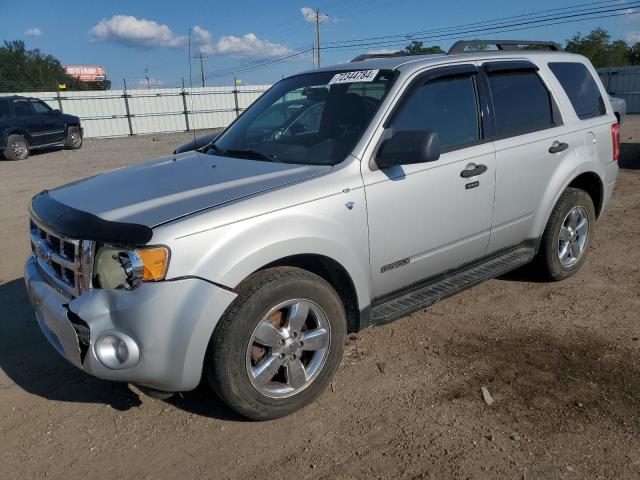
pixel 87 73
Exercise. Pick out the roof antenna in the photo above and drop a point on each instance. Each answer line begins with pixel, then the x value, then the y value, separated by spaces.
pixel 191 83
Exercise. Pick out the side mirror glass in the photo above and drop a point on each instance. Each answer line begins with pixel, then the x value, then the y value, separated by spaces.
pixel 409 147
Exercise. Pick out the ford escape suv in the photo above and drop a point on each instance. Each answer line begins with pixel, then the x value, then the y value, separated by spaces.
pixel 246 263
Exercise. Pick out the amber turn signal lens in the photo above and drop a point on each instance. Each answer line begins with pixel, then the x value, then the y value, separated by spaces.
pixel 155 261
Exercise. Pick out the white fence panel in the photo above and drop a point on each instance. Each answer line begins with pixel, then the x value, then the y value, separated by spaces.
pixel 115 113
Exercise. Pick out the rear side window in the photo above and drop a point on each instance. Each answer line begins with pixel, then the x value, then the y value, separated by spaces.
pixel 4 109
pixel 581 88
pixel 521 102
pixel 21 108
pixel 448 106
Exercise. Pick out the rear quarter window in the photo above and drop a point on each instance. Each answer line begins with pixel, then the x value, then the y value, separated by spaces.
pixel 581 88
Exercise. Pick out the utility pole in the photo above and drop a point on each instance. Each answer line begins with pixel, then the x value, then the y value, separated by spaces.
pixel 318 36
pixel 201 57
pixel 146 77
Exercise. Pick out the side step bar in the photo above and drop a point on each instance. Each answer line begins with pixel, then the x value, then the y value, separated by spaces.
pixel 403 303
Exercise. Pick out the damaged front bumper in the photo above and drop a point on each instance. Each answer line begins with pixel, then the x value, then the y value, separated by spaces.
pixel 170 323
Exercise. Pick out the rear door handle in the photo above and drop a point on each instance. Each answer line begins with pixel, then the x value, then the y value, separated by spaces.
pixel 472 171
pixel 558 147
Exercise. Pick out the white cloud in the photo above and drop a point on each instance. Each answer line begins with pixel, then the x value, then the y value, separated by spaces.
pixel 142 33
pixel 309 15
pixel 246 46
pixel 382 51
pixel 153 82
pixel 33 32
pixel 135 32
pixel 633 37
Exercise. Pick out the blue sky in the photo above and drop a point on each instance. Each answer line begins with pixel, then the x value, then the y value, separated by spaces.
pixel 128 36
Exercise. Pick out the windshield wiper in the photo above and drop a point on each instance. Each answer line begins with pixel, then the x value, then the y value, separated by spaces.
pixel 250 154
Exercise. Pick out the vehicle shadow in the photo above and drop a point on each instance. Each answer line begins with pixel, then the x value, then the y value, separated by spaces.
pixel 629 156
pixel 27 360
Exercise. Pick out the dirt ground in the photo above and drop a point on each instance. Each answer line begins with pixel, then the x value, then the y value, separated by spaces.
pixel 562 362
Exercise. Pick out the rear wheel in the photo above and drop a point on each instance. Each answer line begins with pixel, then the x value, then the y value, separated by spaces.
pixel 73 140
pixel 279 345
pixel 17 148
pixel 567 237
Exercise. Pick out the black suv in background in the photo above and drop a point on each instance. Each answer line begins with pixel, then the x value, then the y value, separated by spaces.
pixel 27 123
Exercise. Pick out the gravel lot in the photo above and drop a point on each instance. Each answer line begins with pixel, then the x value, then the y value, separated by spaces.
pixel 562 362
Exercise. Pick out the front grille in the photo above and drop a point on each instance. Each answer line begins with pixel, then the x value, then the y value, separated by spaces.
pixel 67 262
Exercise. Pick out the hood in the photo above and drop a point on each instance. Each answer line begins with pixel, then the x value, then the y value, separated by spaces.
pixel 158 191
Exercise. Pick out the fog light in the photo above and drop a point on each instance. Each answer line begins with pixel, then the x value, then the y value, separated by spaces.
pixel 116 350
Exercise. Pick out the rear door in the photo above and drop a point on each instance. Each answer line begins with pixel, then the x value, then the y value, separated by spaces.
pixel 532 143
pixel 27 120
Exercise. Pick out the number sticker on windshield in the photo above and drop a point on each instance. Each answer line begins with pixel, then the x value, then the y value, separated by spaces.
pixel 355 76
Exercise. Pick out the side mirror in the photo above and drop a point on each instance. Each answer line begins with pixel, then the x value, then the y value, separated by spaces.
pixel 408 147
pixel 57 112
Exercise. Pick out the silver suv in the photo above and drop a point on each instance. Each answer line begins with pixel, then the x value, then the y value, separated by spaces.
pixel 344 197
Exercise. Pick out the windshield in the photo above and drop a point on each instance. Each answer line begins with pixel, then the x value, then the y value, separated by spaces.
pixel 307 119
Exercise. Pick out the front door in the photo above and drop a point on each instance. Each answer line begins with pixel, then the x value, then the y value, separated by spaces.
pixel 427 218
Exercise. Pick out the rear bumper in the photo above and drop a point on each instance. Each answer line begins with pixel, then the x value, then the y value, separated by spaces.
pixel 610 183
pixel 171 323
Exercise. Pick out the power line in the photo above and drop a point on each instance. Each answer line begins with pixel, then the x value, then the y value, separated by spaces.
pixel 530 16
pixel 533 20
pixel 474 31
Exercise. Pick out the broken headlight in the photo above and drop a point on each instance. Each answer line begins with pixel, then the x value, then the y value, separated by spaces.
pixel 118 268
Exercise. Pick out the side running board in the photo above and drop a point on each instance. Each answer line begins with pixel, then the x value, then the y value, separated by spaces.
pixel 401 304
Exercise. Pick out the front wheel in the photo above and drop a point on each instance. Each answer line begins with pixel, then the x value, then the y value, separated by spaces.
pixel 567 236
pixel 279 344
pixel 73 140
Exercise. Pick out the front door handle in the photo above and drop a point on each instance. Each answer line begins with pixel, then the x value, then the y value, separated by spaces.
pixel 472 171
pixel 558 147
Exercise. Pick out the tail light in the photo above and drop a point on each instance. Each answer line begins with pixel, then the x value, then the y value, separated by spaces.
pixel 615 135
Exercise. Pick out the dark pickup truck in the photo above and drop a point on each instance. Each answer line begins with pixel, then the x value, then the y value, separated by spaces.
pixel 27 123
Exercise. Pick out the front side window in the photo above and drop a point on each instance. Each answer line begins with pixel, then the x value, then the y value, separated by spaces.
pixel 581 88
pixel 522 104
pixel 40 107
pixel 447 106
pixel 305 119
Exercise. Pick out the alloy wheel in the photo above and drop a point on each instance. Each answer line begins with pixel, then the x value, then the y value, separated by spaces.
pixel 573 236
pixel 288 348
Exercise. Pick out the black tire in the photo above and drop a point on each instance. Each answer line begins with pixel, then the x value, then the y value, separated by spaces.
pixel 17 148
pixel 225 366
pixel 73 140
pixel 548 259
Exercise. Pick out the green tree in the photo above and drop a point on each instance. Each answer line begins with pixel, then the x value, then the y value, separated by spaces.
pixel 634 54
pixel 23 70
pixel 598 48
pixel 416 47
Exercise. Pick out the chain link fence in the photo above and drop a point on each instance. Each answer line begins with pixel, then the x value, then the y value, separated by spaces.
pixel 115 113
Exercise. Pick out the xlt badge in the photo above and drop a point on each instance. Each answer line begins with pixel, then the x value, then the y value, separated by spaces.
pixel 398 264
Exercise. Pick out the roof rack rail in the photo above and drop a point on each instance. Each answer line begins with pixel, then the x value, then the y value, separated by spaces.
pixel 462 45
pixel 367 56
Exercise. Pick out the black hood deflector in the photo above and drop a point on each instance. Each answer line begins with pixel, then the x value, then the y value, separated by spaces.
pixel 81 225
